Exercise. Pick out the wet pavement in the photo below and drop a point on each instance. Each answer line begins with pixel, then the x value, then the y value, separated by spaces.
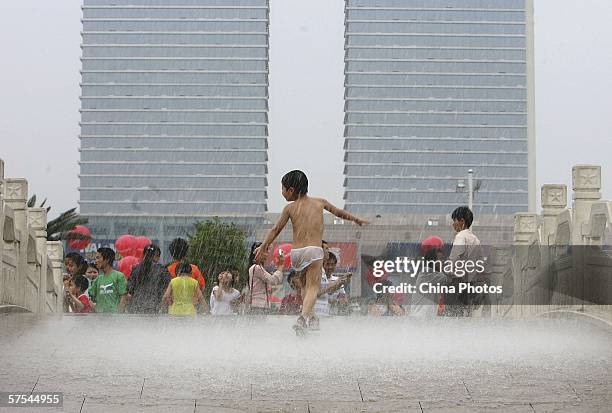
pixel 163 364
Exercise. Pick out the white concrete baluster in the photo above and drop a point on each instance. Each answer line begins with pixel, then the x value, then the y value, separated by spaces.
pixel 554 201
pixel 37 221
pixel 586 183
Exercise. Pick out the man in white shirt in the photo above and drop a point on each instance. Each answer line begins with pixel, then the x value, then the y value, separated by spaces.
pixel 466 248
pixel 466 245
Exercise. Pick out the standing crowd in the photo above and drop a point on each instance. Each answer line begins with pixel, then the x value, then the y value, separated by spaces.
pixel 178 287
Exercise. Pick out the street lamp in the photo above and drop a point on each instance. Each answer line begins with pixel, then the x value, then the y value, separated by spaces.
pixel 471 187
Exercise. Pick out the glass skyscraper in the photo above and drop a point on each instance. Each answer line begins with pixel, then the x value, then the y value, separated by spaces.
pixel 432 89
pixel 174 114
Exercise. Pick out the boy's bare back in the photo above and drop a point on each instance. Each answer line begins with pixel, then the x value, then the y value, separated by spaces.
pixel 306 215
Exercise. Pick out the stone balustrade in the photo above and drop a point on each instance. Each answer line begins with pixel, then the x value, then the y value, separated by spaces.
pixel 30 266
pixel 562 258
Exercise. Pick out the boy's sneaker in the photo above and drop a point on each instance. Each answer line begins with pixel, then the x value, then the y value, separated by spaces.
pixel 300 326
pixel 313 323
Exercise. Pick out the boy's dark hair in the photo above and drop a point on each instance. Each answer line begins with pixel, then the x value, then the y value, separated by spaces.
pixel 183 268
pixel 297 180
pixel 81 282
pixel 465 214
pixel 179 248
pixel 332 257
pixel 107 254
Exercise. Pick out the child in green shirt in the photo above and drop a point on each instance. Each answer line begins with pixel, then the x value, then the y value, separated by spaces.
pixel 109 288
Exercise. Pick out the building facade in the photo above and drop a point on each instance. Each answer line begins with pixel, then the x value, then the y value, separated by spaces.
pixel 174 114
pixel 434 88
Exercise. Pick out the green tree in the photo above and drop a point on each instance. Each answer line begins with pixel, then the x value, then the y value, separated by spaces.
pixel 217 246
pixel 58 228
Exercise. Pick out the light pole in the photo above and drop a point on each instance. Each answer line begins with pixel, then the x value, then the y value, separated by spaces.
pixel 471 187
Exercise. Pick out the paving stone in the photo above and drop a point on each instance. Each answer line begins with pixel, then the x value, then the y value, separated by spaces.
pixel 123 387
pixel 162 364
pixel 18 382
pixel 308 389
pixel 392 406
pixel 189 387
pixel 71 404
pixel 227 406
pixel 135 406
pixel 486 390
pixel 573 407
pixel 401 388
pixel 590 388
pixel 461 407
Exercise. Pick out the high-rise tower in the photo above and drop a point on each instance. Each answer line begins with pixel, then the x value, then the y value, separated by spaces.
pixel 434 88
pixel 174 114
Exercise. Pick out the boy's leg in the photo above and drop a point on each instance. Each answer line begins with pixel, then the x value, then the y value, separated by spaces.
pixel 311 288
pixel 302 277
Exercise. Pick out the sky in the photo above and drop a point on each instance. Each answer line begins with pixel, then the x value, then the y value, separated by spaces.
pixel 39 103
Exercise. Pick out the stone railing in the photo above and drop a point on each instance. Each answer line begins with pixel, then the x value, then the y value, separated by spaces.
pixel 30 266
pixel 562 259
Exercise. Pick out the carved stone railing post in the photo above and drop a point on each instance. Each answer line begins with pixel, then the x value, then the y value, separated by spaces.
pixel 525 228
pixel 561 265
pixel 554 201
pixel 599 219
pixel 15 197
pixel 55 254
pixel 37 221
pixel 30 267
pixel 586 183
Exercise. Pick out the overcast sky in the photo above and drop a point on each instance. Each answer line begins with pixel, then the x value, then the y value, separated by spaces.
pixel 40 93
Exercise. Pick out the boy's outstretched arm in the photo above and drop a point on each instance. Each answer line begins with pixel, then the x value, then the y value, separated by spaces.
pixel 274 231
pixel 341 213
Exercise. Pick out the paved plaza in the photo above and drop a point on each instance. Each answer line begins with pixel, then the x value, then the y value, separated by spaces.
pixel 163 364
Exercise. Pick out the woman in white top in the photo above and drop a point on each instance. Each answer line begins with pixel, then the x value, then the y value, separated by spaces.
pixel 223 295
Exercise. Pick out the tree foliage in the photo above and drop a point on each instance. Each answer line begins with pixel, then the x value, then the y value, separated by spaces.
pixel 58 228
pixel 217 246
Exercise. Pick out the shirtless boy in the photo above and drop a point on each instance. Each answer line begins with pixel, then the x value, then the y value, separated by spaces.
pixel 306 215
